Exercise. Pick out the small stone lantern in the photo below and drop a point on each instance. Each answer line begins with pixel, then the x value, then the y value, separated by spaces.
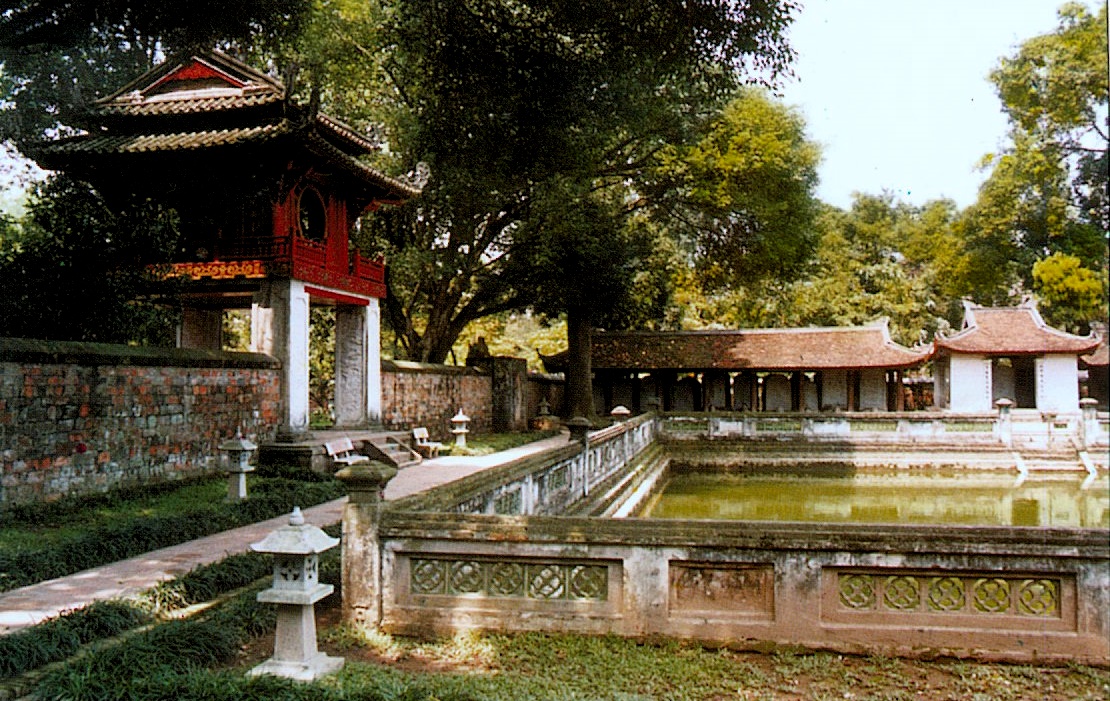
pixel 296 588
pixel 460 423
pixel 238 451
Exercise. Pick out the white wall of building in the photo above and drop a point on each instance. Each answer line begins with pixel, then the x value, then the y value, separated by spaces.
pixel 1057 383
pixel 969 381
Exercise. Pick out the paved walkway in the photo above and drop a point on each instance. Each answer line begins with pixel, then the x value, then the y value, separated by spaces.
pixel 29 605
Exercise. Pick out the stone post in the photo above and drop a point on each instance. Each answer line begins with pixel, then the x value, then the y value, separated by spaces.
pixel 1005 426
pixel 1088 422
pixel 362 550
pixel 351 366
pixel 579 428
pixel 201 328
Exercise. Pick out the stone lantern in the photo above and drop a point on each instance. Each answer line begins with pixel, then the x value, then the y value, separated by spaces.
pixel 460 423
pixel 296 588
pixel 238 451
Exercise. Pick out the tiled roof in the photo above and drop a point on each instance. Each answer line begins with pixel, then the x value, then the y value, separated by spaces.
pixel 239 77
pixel 100 144
pixel 191 105
pixel 212 100
pixel 751 349
pixel 1100 358
pixel 1011 331
pixel 326 149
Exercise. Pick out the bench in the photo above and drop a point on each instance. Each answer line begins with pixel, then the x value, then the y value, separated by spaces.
pixel 421 444
pixel 342 451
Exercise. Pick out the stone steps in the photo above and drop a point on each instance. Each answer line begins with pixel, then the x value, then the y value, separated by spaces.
pixel 391 449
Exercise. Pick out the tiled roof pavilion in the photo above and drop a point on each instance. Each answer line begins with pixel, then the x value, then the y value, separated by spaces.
pixel 209 101
pixel 1011 331
pixel 798 349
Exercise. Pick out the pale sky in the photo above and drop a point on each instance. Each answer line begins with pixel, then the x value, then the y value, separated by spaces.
pixel 896 91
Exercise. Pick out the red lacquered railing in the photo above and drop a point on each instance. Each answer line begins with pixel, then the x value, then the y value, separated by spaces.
pixel 309 252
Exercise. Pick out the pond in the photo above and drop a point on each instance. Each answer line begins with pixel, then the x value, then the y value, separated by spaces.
pixel 845 495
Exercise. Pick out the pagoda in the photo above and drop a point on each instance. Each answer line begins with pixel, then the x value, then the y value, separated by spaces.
pixel 267 190
pixel 1009 353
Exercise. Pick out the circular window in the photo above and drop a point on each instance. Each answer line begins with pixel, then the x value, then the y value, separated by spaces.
pixel 312 215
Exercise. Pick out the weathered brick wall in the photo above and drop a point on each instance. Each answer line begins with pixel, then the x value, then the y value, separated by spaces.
pixel 79 418
pixel 423 394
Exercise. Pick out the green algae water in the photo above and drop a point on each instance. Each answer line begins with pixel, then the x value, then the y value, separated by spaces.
pixel 973 498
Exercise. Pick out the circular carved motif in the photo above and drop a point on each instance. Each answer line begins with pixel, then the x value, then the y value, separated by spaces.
pixel 428 576
pixel 1038 597
pixel 946 594
pixel 588 582
pixel 466 577
pixel 506 579
pixel 992 595
pixel 857 591
pixel 901 593
pixel 545 582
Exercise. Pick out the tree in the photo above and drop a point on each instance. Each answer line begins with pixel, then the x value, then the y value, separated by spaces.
pixel 1070 295
pixel 1047 192
pixel 513 105
pixel 58 55
pixel 880 258
pixel 78 269
pixel 742 196
pixel 509 101
pixel 870 264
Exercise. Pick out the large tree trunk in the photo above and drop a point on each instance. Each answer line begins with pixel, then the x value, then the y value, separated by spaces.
pixel 579 397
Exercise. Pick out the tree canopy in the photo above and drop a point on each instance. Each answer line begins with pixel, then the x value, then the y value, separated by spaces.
pixel 1047 190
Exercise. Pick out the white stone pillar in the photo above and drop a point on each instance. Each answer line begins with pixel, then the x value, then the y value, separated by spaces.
pixel 351 366
pixel 279 327
pixel 373 363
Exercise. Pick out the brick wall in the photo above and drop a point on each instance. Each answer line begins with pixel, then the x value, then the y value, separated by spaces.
pixel 78 418
pixel 422 394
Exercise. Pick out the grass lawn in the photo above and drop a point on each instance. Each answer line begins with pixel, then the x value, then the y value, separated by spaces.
pixel 51 540
pixel 486 444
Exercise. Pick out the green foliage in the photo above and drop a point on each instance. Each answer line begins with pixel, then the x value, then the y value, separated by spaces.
pixel 496 442
pixel 1070 295
pixel 76 271
pixel 59 638
pixel 743 194
pixel 881 258
pixel 58 56
pixel 206 582
pixel 321 365
pixel 37 554
pixel 527 112
pixel 1047 191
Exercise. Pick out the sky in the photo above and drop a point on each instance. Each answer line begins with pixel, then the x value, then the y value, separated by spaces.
pixel 897 91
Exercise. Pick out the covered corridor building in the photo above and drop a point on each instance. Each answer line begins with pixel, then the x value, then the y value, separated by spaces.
pixel 777 370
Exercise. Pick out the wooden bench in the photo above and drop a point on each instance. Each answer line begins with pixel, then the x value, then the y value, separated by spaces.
pixel 421 443
pixel 342 451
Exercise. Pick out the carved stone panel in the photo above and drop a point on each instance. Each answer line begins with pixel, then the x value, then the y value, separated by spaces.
pixel 722 590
